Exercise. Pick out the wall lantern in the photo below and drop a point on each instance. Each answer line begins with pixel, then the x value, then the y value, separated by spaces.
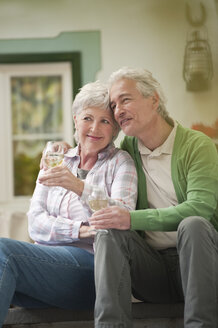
pixel 197 67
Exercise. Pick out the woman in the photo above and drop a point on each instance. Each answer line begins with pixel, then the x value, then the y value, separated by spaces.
pixel 58 269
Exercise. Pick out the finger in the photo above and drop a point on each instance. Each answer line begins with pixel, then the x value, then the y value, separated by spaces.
pixel 103 226
pixel 92 232
pixel 41 164
pixel 53 173
pixel 106 211
pixel 45 176
pixel 65 148
pixel 100 222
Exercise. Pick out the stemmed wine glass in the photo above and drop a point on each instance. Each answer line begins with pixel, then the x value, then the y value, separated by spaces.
pixel 98 200
pixel 53 154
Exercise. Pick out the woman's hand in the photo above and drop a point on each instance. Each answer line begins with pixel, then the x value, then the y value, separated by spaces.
pixel 113 217
pixel 86 232
pixel 62 177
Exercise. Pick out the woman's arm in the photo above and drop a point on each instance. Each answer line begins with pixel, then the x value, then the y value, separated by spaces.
pixel 62 177
pixel 48 228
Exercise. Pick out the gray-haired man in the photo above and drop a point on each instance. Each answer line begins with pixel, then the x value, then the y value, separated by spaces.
pixel 174 255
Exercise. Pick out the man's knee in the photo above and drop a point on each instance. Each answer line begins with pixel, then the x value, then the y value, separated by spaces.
pixel 112 235
pixel 113 243
pixel 194 229
pixel 192 224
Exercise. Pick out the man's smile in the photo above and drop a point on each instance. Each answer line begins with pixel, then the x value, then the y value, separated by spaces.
pixel 124 121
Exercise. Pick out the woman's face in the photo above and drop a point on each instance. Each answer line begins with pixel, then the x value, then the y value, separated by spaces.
pixel 95 128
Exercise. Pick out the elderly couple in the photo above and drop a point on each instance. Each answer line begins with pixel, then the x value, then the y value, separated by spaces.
pixel 165 250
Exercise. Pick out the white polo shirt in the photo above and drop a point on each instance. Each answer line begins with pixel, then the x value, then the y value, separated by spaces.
pixel 160 189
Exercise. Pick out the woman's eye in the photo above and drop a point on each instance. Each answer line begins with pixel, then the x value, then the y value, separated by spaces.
pixel 87 118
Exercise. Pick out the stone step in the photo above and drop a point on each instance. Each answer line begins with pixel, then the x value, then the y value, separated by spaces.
pixel 145 315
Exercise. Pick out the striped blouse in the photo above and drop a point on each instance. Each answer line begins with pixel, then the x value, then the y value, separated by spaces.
pixel 55 214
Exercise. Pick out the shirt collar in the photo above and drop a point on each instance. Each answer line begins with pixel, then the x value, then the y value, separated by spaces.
pixel 106 152
pixel 72 152
pixel 165 148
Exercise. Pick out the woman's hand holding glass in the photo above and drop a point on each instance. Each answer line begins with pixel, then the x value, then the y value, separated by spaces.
pixel 53 154
pixel 57 147
pixel 56 173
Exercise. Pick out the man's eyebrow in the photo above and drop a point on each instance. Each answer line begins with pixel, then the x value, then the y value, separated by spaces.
pixel 121 96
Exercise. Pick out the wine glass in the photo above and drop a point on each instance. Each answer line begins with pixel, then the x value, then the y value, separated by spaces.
pixel 53 154
pixel 98 200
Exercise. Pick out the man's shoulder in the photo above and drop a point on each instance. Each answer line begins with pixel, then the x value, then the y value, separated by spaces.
pixel 191 136
pixel 129 142
pixel 193 140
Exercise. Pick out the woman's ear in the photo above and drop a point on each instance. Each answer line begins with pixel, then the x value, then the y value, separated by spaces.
pixel 75 121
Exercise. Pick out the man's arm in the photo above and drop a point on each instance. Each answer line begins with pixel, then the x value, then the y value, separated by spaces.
pixel 196 188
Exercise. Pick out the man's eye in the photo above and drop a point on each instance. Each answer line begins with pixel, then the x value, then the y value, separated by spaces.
pixel 112 106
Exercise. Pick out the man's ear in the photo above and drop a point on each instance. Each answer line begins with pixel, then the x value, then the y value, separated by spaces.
pixel 155 100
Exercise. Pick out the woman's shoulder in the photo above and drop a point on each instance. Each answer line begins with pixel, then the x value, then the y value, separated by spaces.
pixel 121 155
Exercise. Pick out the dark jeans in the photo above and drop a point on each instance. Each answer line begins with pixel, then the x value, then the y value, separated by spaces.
pixel 41 276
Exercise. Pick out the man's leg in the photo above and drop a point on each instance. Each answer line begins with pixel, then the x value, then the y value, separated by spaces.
pixel 123 260
pixel 61 276
pixel 198 253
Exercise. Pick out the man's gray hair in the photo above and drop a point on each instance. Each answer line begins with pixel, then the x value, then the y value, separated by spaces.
pixel 146 84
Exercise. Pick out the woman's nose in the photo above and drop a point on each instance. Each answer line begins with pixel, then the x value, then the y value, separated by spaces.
pixel 94 126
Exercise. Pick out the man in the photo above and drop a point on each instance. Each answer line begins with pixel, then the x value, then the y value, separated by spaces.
pixel 165 250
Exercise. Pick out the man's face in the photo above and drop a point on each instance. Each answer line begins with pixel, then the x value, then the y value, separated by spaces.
pixel 132 111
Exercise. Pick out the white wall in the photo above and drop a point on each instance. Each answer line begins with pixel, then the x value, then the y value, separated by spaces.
pixel 142 33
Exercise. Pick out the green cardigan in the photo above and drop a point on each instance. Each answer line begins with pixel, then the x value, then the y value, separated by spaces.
pixel 194 171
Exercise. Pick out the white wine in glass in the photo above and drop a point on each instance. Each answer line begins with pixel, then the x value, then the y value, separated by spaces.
pixel 53 155
pixel 98 200
pixel 97 204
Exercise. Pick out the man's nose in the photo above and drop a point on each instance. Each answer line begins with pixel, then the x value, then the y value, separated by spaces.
pixel 118 110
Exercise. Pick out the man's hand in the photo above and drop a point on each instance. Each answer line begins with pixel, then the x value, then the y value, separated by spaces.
pixel 113 217
pixel 62 177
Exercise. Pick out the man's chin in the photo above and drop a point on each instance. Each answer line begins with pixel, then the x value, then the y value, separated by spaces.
pixel 128 131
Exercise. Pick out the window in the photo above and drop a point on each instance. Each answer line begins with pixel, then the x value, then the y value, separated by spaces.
pixel 35 106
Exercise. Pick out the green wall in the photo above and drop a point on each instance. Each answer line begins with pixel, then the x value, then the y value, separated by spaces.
pixel 87 44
